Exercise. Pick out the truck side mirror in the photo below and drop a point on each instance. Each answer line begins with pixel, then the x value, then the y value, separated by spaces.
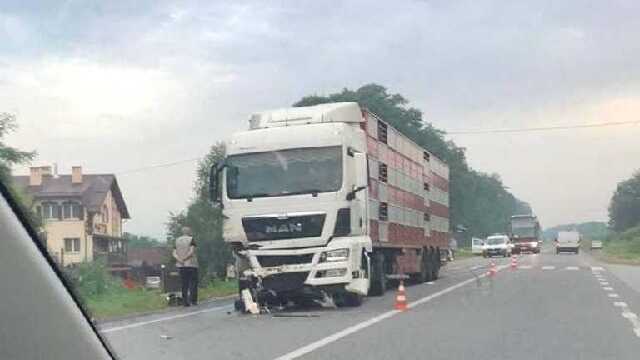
pixel 214 183
pixel 361 180
pixel 362 176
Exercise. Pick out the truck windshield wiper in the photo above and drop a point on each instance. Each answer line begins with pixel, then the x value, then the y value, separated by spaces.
pixel 313 192
pixel 250 197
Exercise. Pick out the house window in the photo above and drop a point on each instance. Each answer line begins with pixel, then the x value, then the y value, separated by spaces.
pixel 51 211
pixel 72 244
pixel 71 210
pixel 426 186
pixel 426 156
pixel 427 217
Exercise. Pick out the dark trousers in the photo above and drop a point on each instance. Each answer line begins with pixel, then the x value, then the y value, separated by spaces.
pixel 189 278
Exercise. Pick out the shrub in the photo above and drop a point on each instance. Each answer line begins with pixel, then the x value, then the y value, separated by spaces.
pixel 91 279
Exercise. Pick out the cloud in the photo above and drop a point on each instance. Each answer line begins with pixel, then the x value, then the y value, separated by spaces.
pixel 119 85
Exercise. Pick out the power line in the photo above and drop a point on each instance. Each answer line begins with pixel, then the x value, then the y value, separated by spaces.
pixel 156 166
pixel 461 132
pixel 543 128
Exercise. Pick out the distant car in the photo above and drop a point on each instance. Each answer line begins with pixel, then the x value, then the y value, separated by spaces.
pixel 477 246
pixel 568 241
pixel 497 245
pixel 596 244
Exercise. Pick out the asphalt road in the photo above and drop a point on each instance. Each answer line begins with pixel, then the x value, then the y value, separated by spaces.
pixel 551 306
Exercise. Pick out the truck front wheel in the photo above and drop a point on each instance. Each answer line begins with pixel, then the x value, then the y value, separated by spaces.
pixel 352 299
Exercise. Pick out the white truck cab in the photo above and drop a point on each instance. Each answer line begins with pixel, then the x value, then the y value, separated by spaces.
pixel 294 193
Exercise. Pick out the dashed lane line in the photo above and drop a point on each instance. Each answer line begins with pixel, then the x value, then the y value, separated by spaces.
pixel 613 295
pixel 620 304
pixel 548 267
pixel 571 268
pixel 607 288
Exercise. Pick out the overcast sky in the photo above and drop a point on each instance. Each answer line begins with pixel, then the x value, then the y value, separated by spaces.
pixel 114 86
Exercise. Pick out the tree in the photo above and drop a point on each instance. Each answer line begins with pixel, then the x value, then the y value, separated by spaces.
pixel 204 219
pixel 140 241
pixel 478 201
pixel 624 209
pixel 10 156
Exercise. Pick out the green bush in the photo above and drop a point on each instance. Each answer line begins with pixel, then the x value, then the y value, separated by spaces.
pixel 93 279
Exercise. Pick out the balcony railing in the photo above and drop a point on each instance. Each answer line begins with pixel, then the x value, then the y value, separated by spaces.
pixel 111 258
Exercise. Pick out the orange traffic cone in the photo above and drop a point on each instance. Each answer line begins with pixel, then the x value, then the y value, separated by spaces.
pixel 514 262
pixel 401 298
pixel 492 269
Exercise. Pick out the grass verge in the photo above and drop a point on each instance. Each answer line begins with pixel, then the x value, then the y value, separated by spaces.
pixel 123 302
pixel 463 253
pixel 621 253
pixel 623 248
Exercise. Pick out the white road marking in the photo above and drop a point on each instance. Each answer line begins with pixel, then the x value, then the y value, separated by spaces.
pixel 572 268
pixel 620 304
pixel 613 295
pixel 607 288
pixel 604 283
pixel 597 268
pixel 548 267
pixel 365 324
pixel 525 267
pixel 173 317
pixel 629 315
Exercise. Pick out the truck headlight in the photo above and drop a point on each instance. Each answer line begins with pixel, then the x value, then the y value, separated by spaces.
pixel 335 255
pixel 534 244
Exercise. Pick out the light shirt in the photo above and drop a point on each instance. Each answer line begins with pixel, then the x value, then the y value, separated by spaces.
pixel 185 246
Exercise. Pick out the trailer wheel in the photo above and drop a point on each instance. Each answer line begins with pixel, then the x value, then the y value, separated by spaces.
pixel 428 265
pixel 436 263
pixel 378 278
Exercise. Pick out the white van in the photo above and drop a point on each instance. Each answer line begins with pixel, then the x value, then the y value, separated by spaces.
pixel 568 241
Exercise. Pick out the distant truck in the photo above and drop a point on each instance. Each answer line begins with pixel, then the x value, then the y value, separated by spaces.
pixel 525 234
pixel 330 201
pixel 568 241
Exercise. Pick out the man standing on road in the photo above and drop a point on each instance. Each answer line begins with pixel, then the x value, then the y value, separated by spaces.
pixel 187 264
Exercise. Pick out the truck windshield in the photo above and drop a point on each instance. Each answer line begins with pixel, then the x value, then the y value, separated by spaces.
pixel 284 172
pixel 524 232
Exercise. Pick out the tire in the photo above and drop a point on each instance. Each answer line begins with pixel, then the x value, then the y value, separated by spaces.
pixel 436 264
pixel 429 265
pixel 424 274
pixel 350 300
pixel 238 305
pixel 378 279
